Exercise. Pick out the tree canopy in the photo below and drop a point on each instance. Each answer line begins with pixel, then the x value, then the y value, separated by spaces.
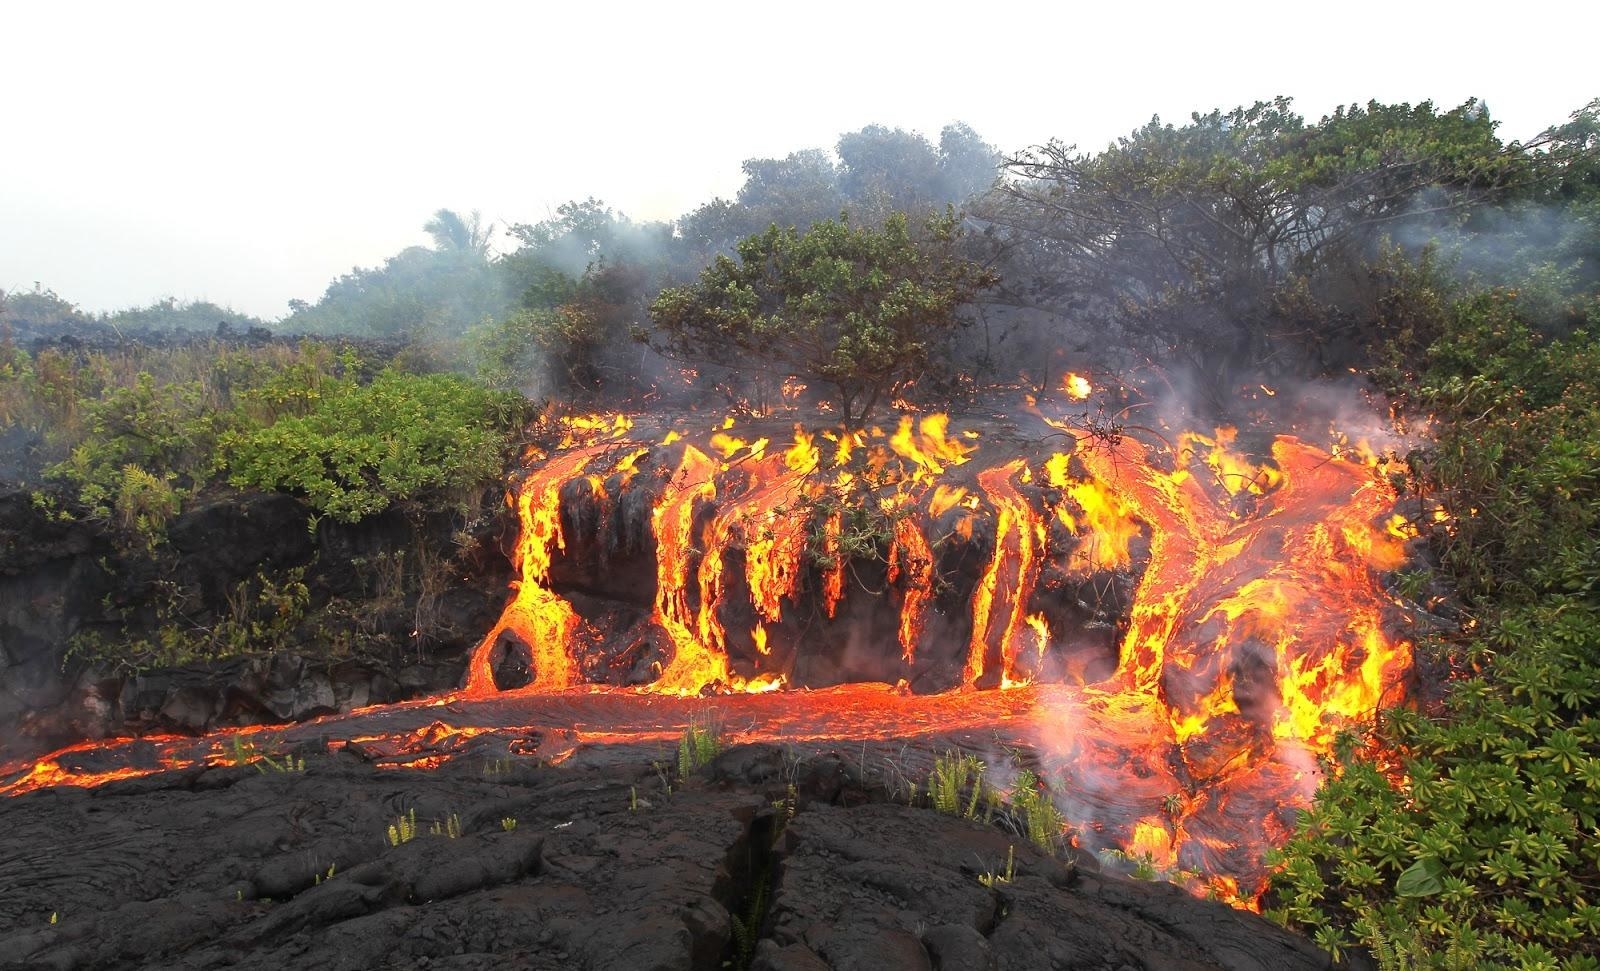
pixel 856 308
pixel 1194 238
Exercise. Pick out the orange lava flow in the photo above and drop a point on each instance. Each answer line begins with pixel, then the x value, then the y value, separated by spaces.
pixel 1236 597
pixel 1256 629
pixel 1000 603
pixel 548 619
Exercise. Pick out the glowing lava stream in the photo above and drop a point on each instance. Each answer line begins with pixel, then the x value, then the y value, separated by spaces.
pixel 1255 628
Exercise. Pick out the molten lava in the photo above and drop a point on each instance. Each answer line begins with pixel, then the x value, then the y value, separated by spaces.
pixel 1254 630
pixel 1176 633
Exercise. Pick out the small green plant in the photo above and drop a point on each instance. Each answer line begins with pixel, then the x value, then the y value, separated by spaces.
pixel 991 878
pixel 450 826
pixel 508 823
pixel 288 763
pixel 55 917
pixel 789 805
pixel 404 828
pixel 241 753
pixel 697 746
pixel 320 877
pixel 1041 821
pixel 497 767
pixel 746 927
pixel 955 786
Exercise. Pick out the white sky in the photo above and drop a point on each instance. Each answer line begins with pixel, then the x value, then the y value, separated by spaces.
pixel 249 153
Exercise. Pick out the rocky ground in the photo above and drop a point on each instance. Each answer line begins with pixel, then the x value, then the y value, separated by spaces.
pixel 770 857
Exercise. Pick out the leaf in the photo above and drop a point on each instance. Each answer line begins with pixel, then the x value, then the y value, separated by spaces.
pixel 1423 878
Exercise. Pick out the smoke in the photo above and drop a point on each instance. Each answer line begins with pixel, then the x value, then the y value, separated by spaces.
pixel 1548 253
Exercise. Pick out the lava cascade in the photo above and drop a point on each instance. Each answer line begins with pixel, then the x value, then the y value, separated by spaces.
pixel 1177 632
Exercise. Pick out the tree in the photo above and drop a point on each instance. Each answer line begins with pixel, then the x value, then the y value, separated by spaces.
pixel 858 309
pixel 453 232
pixel 419 291
pixel 1195 238
pixel 570 336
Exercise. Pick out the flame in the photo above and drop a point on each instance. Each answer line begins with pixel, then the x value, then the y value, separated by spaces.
pixel 694 662
pixel 1076 386
pixel 911 571
pixel 1255 632
pixel 1000 601
pixel 930 448
pixel 544 621
pixel 1151 840
pixel 1234 472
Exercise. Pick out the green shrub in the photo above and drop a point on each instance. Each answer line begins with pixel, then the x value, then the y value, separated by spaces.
pixel 144 503
pixel 955 775
pixel 165 429
pixel 1042 822
pixel 360 448
pixel 262 617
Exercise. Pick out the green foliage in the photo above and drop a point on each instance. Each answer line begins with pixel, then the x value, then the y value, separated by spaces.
pixel 571 336
pixel 1490 847
pixel 171 314
pixel 165 430
pixel 1239 239
pixel 1518 454
pixel 746 927
pixel 404 828
pixel 242 753
pixel 1475 843
pixel 437 292
pixel 1042 822
pixel 161 409
pixel 362 447
pixel 955 786
pixel 697 746
pixel 858 309
pixel 144 503
pixel 449 827
pixel 40 310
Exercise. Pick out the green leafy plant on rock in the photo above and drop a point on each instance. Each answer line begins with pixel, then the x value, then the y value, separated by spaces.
pixel 955 785
pixel 697 746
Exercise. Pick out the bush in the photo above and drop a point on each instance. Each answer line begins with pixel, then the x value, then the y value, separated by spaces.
pixel 362 447
pixel 165 431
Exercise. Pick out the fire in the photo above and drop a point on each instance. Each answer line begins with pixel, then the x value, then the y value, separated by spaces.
pixel 1255 631
pixel 1076 386
pixel 1000 602
pixel 1182 629
pixel 1151 841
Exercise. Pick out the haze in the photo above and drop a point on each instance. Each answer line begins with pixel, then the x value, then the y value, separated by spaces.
pixel 247 156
